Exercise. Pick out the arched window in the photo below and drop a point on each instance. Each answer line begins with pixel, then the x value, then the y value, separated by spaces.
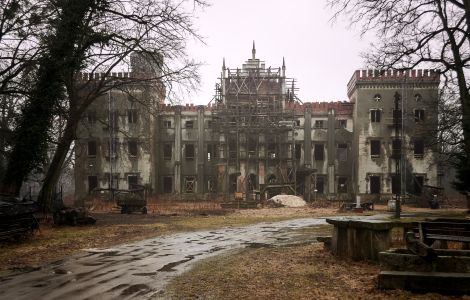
pixel 377 97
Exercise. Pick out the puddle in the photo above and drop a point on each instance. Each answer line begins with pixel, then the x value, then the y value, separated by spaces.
pixel 169 267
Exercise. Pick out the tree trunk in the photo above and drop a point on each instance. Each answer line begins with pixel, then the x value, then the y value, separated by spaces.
pixel 46 195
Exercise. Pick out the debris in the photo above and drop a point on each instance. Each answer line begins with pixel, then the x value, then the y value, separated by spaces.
pixel 286 201
pixel 73 216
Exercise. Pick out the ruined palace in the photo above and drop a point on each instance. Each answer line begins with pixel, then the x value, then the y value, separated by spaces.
pixel 257 138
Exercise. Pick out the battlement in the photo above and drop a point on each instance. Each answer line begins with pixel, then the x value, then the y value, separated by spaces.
pixel 111 76
pixel 185 108
pixel 340 107
pixel 393 76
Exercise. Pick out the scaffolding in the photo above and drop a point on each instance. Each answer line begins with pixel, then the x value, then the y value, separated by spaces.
pixel 255 128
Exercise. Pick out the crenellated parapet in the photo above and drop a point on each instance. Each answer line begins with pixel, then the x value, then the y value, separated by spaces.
pixel 392 76
pixel 340 107
pixel 112 76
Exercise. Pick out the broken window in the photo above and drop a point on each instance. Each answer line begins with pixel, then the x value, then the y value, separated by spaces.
pixel 167 151
pixel 375 115
pixel 419 115
pixel 272 150
pixel 374 148
pixel 211 185
pixel 132 181
pixel 418 181
pixel 189 151
pixel 252 147
pixel 342 184
pixel 233 183
pixel 92 183
pixel 132 116
pixel 418 148
pixel 113 181
pixel 189 184
pixel 320 185
pixel 298 150
pixel 374 184
pixel 232 148
pixel 342 123
pixel 166 124
pixel 132 148
pixel 251 182
pixel 342 152
pixel 319 124
pixel 91 148
pixel 168 184
pixel 189 124
pixel 319 152
pixel 211 151
pixel 396 184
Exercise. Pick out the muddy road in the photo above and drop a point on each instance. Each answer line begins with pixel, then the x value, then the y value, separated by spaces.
pixel 142 269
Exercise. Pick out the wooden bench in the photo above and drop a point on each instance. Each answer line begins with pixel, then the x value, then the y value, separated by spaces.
pixel 443 230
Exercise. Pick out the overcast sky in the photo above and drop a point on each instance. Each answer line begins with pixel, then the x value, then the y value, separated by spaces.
pixel 320 55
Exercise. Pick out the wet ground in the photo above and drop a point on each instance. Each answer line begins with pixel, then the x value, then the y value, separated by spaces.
pixel 142 269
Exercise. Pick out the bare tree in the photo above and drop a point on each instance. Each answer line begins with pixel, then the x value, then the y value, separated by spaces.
pixel 419 33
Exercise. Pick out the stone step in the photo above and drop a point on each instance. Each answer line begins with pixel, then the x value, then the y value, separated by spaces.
pixel 426 282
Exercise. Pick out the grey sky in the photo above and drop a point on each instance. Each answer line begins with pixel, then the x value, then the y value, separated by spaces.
pixel 321 56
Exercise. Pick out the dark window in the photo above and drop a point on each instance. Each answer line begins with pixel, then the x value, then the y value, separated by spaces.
pixel 252 182
pixel 209 124
pixel 166 124
pixel 272 150
pixel 374 148
pixel 418 184
pixel 132 116
pixel 113 147
pixel 418 97
pixel 211 151
pixel 91 117
pixel 320 185
pixel 189 182
pixel 91 148
pixel 397 115
pixel 374 184
pixel 114 181
pixel 419 115
pixel 342 152
pixel 297 123
pixel 319 152
pixel 396 184
pixel 189 151
pixel 233 183
pixel 167 149
pixel 92 183
pixel 132 181
pixel 319 124
pixel 189 124
pixel 167 184
pixel 375 115
pixel 298 151
pixel 343 123
pixel 377 97
pixel 342 184
pixel 418 148
pixel 113 119
pixel 132 148
pixel 396 149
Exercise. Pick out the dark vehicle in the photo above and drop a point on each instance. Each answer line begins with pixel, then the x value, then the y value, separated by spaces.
pixel 132 200
pixel 16 217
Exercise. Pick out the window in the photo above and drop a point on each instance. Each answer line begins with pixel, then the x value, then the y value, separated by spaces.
pixel 396 148
pixel 377 98
pixel 374 184
pixel 319 152
pixel 418 97
pixel 132 181
pixel 418 148
pixel 114 181
pixel 419 115
pixel 297 123
pixel 209 124
pixel 132 116
pixel 272 150
pixel 189 124
pixel 132 148
pixel 298 151
pixel 375 115
pixel 343 123
pixel 397 115
pixel 92 183
pixel 342 184
pixel 167 151
pixel 418 181
pixel 211 151
pixel 320 185
pixel 166 124
pixel 319 124
pixel 167 184
pixel 342 152
pixel 396 184
pixel 113 147
pixel 189 184
pixel 375 148
pixel 211 186
pixel 113 119
pixel 91 148
pixel 91 117
pixel 189 151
